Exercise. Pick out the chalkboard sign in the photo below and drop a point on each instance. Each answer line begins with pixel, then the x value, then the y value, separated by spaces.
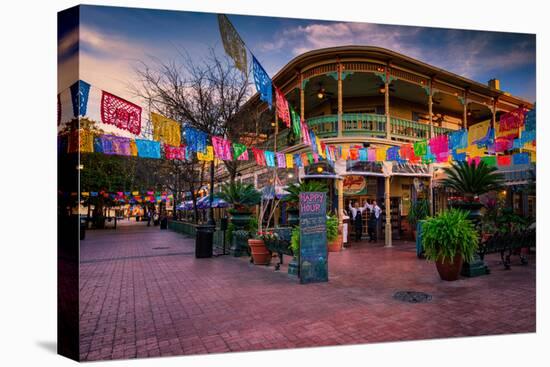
pixel 313 237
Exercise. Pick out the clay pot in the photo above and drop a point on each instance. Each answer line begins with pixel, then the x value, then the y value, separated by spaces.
pixel 449 271
pixel 335 245
pixel 260 253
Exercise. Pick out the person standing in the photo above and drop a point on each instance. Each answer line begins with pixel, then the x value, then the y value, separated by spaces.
pixel 345 220
pixel 357 219
pixel 374 217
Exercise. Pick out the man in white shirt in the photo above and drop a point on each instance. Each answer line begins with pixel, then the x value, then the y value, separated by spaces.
pixel 372 222
pixel 357 219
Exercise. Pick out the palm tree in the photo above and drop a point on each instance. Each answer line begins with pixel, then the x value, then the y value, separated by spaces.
pixel 240 195
pixel 472 180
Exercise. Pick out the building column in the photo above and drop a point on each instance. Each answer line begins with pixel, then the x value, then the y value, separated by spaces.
pixel 430 110
pixel 465 111
pixel 388 241
pixel 340 188
pixel 387 104
pixel 302 98
pixel 340 102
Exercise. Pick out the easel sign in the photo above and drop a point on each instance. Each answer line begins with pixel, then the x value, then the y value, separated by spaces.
pixel 313 237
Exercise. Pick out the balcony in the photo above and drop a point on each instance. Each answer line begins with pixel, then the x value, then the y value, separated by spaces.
pixel 353 124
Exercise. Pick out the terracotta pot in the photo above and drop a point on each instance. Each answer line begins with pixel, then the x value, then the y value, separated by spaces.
pixel 260 253
pixel 335 245
pixel 447 270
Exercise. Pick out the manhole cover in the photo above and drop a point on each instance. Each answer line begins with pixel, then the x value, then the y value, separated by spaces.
pixel 161 248
pixel 412 297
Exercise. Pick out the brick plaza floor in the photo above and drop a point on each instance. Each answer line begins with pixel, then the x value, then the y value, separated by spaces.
pixel 143 293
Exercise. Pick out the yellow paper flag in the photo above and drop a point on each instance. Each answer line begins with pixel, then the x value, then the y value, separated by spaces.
pixel 166 130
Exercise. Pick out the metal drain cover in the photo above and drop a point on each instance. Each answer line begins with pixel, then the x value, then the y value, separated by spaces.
pixel 161 248
pixel 412 297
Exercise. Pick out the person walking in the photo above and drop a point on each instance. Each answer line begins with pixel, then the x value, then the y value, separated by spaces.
pixel 357 219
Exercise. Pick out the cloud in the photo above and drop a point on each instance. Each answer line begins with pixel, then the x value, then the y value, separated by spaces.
pixel 471 54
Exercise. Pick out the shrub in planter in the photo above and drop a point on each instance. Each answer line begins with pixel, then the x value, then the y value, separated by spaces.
pixel 449 239
pixel 334 241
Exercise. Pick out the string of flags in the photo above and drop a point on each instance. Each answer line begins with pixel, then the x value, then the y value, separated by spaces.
pixel 515 130
pixel 129 197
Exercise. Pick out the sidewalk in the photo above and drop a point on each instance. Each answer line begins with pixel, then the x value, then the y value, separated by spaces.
pixel 143 293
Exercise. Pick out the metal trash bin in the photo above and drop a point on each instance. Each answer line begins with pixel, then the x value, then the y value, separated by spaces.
pixel 164 223
pixel 204 239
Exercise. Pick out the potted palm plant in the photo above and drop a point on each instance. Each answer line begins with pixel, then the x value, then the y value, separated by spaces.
pixel 470 180
pixel 241 197
pixel 449 239
pixel 293 197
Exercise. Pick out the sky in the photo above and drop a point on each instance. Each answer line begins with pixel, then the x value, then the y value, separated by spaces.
pixel 112 41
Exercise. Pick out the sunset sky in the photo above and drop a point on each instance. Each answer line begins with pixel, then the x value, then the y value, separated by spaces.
pixel 113 40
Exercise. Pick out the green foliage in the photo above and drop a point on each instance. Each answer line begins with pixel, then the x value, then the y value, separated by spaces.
pixel 252 226
pixel 471 179
pixel 294 190
pixel 419 210
pixel 295 241
pixel 448 234
pixel 332 228
pixel 240 195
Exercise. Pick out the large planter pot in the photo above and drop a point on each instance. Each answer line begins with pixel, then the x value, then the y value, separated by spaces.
pixel 448 270
pixel 293 217
pixel 260 254
pixel 240 219
pixel 335 245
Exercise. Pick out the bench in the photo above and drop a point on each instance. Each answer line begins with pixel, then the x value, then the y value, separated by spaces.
pixel 281 246
pixel 508 244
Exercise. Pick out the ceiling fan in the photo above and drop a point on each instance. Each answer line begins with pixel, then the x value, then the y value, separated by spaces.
pixel 381 87
pixel 322 93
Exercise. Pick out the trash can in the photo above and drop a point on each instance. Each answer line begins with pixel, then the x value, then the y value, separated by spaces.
pixel 164 223
pixel 419 249
pixel 204 239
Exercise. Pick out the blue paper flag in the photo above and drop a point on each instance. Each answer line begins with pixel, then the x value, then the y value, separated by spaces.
pixel 262 82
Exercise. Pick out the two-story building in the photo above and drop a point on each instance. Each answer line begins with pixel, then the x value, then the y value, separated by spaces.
pixel 373 97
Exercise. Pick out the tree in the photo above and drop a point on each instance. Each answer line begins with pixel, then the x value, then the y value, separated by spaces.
pixel 471 179
pixel 208 96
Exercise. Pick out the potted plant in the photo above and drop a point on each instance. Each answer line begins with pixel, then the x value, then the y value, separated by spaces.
pixel 419 210
pixel 241 197
pixel 449 239
pixel 293 197
pixel 258 250
pixel 471 180
pixel 334 239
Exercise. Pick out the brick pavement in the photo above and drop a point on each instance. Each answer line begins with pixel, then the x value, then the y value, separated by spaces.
pixel 143 294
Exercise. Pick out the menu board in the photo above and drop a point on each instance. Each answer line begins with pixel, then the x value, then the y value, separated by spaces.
pixel 313 237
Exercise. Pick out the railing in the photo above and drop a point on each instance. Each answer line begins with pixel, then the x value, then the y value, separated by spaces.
pixel 407 129
pixel 368 124
pixel 441 130
pixel 324 126
pixel 360 124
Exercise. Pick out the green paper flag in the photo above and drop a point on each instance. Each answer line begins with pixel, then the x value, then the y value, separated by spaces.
pixel 295 122
pixel 238 150
pixel 490 160
pixel 420 148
